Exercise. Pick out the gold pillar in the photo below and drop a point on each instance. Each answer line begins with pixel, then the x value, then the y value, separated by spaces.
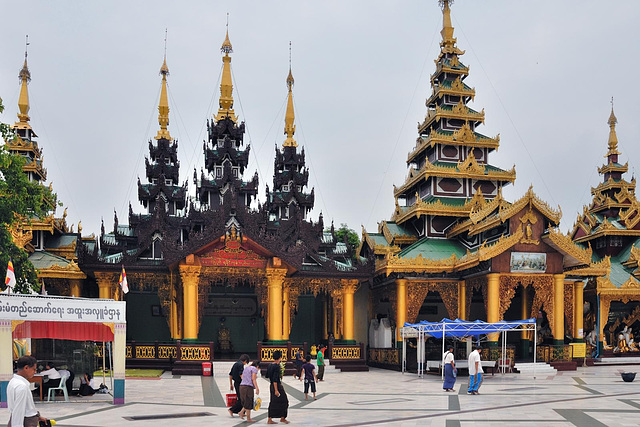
pixel 349 288
pixel 558 308
pixel 334 320
pixel 401 299
pixel 286 314
pixel 75 287
pixel 325 318
pixel 493 303
pixel 525 311
pixel 190 275
pixel 462 300
pixel 105 285
pixel 275 279
pixel 578 312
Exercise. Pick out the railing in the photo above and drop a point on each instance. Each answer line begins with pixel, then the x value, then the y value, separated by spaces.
pixel 288 350
pixel 552 353
pixel 495 353
pixel 345 351
pixel 389 358
pixel 164 354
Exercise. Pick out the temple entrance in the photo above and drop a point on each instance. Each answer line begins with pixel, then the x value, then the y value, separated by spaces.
pixel 309 320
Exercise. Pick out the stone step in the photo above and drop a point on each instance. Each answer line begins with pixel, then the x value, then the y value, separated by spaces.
pixel 539 368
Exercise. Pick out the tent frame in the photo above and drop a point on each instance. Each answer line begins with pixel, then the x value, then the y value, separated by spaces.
pixel 462 329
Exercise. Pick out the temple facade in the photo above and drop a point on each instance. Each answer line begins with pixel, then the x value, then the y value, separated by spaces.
pixel 454 247
pixel 610 225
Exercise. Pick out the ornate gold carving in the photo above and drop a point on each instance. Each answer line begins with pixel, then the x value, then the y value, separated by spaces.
pixel 345 352
pixel 20 237
pixel 543 297
pixel 195 353
pixel 266 353
pixel 145 352
pixel 471 165
pixel 167 352
pixel 416 293
pixel 384 356
pixel 568 305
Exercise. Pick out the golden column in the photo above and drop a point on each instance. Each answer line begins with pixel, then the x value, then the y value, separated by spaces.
pixel 75 287
pixel 349 287
pixel 462 300
pixel 401 309
pixel 578 312
pixel 190 275
pixel 334 320
pixel 105 285
pixel 558 309
pixel 325 318
pixel 275 279
pixel 524 335
pixel 286 314
pixel 493 304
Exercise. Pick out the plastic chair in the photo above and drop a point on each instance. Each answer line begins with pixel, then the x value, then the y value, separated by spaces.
pixel 62 386
pixel 507 365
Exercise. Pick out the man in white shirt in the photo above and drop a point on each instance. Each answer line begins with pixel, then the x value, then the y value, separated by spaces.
pixel 475 371
pixel 19 398
pixel 53 375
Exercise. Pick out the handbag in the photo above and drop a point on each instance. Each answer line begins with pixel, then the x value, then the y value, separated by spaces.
pixel 455 372
pixel 257 403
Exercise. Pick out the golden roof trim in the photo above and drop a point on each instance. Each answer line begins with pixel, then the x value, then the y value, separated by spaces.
pixel 568 246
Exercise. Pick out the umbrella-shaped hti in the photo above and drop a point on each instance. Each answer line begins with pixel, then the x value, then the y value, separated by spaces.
pixel 461 329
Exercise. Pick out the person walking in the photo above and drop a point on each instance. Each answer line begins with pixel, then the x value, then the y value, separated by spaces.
pixel 19 398
pixel 278 403
pixel 299 363
pixel 235 378
pixel 310 378
pixel 320 360
pixel 475 371
pixel 449 366
pixel 247 386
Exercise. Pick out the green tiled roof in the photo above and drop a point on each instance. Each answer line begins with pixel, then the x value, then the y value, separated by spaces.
pixel 398 230
pixel 43 260
pixel 378 239
pixel 451 201
pixel 433 249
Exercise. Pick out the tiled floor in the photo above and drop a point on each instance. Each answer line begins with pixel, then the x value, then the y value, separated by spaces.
pixel 593 396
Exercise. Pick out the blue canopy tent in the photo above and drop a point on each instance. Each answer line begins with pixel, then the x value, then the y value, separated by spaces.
pixel 461 329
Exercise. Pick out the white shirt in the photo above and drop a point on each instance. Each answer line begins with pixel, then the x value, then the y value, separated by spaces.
pixel 20 400
pixel 51 373
pixel 474 357
pixel 448 358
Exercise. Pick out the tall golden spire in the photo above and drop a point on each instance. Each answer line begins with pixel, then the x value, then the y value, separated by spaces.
pixel 447 28
pixel 23 100
pixel 163 106
pixel 613 138
pixel 226 84
pixel 289 117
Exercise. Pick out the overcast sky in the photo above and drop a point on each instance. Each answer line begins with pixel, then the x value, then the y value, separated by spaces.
pixel 544 71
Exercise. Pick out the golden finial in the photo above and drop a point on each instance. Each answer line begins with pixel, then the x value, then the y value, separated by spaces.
pixel 79 226
pixel 289 118
pixel 613 138
pixel 447 28
pixel 23 100
pixel 163 106
pixel 226 83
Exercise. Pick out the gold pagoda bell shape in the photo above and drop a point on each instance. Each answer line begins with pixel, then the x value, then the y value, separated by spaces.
pixel 289 118
pixel 226 83
pixel 163 105
pixel 613 138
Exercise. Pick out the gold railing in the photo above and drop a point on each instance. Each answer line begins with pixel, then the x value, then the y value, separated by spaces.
pixel 195 353
pixel 384 356
pixel 345 352
pixel 266 353
pixel 145 352
pixel 166 352
pixel 552 353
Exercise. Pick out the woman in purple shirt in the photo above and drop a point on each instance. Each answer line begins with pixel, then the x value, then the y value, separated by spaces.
pixel 248 384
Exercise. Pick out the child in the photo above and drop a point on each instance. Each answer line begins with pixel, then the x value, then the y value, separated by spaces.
pixel 310 378
pixel 248 385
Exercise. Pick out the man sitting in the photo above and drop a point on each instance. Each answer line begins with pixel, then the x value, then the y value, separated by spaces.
pixel 54 378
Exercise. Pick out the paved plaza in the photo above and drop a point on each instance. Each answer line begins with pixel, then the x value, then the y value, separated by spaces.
pixel 591 396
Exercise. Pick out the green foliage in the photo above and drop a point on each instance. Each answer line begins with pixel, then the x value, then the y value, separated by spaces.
pixel 351 236
pixel 19 199
pixel 5 130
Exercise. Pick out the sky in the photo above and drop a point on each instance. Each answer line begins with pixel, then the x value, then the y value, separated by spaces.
pixel 544 72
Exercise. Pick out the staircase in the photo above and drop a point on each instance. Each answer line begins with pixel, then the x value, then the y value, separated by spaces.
pixel 539 368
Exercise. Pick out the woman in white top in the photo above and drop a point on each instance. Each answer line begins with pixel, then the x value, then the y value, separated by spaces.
pixel 449 370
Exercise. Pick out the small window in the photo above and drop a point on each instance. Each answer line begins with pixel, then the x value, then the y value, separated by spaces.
pixel 154 180
pixel 235 172
pixel 299 188
pixel 285 187
pixel 168 182
pixel 167 161
pixel 218 171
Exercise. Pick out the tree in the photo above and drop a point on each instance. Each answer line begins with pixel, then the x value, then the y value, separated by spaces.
pixel 352 238
pixel 20 200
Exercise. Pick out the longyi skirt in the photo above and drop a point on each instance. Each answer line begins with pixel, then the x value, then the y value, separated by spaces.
pixel 278 406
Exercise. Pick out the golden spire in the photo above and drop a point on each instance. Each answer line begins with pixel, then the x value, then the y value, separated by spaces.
pixel 613 138
pixel 23 100
pixel 289 117
pixel 448 41
pixel 163 106
pixel 226 84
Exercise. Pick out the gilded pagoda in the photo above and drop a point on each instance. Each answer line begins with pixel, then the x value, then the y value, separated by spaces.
pixel 610 225
pixel 454 247
pixel 52 245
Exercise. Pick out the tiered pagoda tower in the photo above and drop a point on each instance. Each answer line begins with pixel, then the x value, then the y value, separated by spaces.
pixel 162 165
pixel 224 155
pixel 610 225
pixel 290 175
pixel 612 220
pixel 450 161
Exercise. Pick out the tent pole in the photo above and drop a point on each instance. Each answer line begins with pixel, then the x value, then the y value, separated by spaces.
pixel 404 351
pixel 104 374
pixel 444 327
pixel 535 347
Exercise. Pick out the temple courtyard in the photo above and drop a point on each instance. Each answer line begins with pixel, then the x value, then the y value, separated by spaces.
pixel 590 396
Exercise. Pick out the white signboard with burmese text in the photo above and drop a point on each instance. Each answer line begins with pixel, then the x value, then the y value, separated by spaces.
pixel 61 309
pixel 528 262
